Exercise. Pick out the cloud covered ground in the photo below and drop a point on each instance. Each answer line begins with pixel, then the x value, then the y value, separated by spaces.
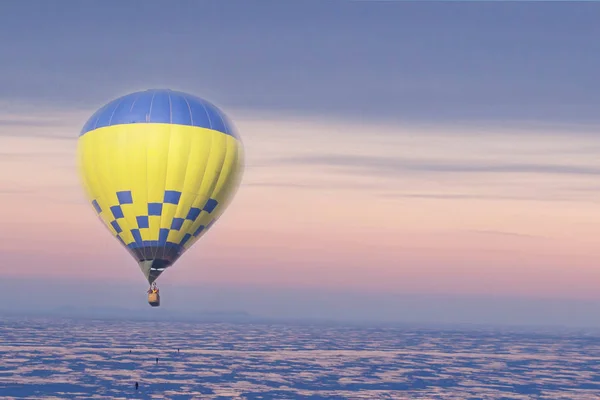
pixel 44 358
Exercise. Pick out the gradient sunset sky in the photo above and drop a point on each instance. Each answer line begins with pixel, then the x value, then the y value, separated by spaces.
pixel 393 148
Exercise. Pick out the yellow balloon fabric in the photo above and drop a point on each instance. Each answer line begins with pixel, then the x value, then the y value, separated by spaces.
pixel 159 167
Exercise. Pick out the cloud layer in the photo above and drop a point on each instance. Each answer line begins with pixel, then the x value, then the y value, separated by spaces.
pixel 406 208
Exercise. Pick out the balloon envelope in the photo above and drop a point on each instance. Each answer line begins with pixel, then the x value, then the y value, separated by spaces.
pixel 159 167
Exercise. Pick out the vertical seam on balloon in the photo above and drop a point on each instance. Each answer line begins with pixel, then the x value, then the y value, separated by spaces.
pixel 219 175
pixel 187 170
pixel 121 143
pixel 220 168
pixel 145 141
pixel 153 253
pixel 162 214
pixel 170 138
pixel 122 137
pixel 190 110
pixel 99 187
pixel 149 116
pixel 134 101
pixel 170 109
pixel 93 126
pixel 225 189
pixel 239 171
pixel 113 113
pixel 103 194
pixel 223 121
pixel 127 139
pixel 206 112
pixel 150 252
pixel 130 186
pixel 99 113
pixel 117 176
pixel 199 194
pixel 212 190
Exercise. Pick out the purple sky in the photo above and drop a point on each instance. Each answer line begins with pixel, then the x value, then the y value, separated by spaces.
pixel 393 148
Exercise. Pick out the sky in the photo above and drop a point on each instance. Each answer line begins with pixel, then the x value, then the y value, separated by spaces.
pixel 442 152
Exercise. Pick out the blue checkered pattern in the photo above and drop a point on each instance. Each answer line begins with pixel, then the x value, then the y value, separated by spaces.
pixel 155 209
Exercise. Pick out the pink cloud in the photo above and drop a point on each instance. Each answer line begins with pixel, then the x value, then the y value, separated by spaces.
pixel 302 232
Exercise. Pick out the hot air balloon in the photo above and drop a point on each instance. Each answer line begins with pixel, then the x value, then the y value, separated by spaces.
pixel 159 167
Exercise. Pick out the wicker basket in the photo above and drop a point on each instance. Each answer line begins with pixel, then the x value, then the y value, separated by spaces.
pixel 154 299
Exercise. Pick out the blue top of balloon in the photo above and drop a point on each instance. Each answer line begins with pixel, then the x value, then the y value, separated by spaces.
pixel 160 106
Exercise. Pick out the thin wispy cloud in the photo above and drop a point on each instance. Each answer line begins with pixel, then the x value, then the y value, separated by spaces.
pixel 390 165
pixel 16 190
pixel 6 122
pixel 311 186
pixel 491 197
pixel 33 154
pixel 57 135
pixel 503 233
pixel 58 124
